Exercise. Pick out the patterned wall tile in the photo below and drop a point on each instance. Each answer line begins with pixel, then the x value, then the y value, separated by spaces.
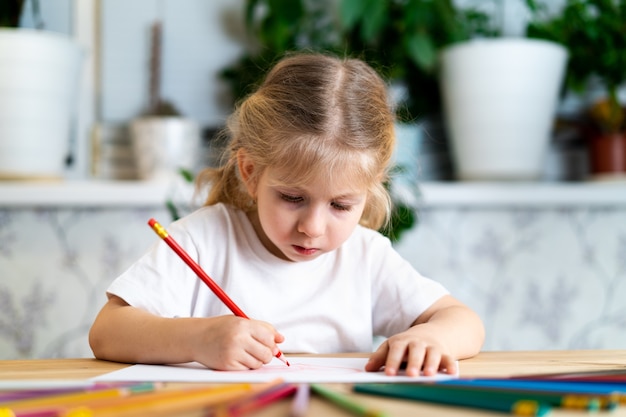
pixel 540 278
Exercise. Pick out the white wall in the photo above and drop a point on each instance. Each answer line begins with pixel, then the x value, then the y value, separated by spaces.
pixel 55 15
pixel 199 40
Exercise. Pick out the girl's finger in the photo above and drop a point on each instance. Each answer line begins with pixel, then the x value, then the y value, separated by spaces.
pixel 395 356
pixel 432 361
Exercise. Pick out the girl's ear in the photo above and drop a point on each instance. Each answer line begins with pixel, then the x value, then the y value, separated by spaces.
pixel 246 170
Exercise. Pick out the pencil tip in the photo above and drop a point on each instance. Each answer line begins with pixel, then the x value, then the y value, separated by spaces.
pixel 280 356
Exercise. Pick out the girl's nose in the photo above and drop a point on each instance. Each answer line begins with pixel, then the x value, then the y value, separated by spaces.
pixel 312 223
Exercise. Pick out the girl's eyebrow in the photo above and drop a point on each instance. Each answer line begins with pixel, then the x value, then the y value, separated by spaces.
pixel 356 196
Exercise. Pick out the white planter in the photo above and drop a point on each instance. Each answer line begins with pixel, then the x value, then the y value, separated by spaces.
pixel 39 78
pixel 164 145
pixel 500 97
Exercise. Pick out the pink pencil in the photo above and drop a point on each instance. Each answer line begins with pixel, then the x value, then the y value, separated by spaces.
pixel 162 233
pixel 261 400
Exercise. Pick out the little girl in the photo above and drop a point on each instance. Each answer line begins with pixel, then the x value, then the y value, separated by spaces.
pixel 289 233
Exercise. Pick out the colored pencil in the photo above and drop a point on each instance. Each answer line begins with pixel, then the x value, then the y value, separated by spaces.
pixel 414 392
pixel 540 385
pixel 16 395
pixel 300 403
pixel 44 412
pixel 66 399
pixel 613 392
pixel 195 267
pixel 617 376
pixel 554 399
pixel 24 393
pixel 346 402
pixel 260 400
pixel 164 403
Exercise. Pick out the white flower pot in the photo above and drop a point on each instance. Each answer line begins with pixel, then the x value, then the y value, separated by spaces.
pixel 500 97
pixel 164 145
pixel 39 79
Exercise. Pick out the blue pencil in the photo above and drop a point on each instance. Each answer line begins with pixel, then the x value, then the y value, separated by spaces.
pixel 541 385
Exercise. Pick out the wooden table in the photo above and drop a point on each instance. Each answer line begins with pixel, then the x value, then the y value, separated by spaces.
pixel 486 364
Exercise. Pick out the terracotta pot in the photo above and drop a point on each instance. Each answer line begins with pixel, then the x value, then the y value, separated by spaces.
pixel 607 153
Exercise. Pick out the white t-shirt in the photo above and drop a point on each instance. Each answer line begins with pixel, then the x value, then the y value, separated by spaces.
pixel 335 303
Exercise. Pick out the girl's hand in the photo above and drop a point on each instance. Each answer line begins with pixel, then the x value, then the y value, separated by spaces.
pixel 230 343
pixel 416 347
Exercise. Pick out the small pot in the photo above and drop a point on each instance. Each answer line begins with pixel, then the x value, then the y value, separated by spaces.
pixel 164 145
pixel 607 153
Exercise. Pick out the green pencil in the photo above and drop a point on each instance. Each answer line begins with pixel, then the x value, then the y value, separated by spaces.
pixel 466 398
pixel 346 402
pixel 570 400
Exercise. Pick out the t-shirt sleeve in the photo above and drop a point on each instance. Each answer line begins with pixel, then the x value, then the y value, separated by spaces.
pixel 400 294
pixel 160 282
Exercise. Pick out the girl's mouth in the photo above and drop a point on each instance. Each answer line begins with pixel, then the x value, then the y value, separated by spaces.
pixel 305 251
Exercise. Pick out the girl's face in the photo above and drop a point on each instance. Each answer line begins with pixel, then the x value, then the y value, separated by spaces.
pixel 301 223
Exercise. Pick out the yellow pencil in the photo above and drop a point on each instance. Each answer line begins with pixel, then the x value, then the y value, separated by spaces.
pixel 73 398
pixel 162 403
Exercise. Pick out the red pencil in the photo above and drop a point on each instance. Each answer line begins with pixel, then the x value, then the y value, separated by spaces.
pixel 160 230
pixel 262 399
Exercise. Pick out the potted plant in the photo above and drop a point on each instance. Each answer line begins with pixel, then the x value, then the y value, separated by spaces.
pixel 500 100
pixel 164 142
pixel 594 32
pixel 38 96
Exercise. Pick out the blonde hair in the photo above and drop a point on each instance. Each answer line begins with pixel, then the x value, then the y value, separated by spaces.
pixel 313 115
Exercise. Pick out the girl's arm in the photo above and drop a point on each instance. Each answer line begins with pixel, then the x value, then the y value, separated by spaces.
pixel 445 332
pixel 124 333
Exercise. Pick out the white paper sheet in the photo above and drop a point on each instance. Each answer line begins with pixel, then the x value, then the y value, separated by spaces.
pixel 302 369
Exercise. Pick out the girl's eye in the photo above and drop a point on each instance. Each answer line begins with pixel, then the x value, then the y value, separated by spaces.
pixel 341 207
pixel 291 198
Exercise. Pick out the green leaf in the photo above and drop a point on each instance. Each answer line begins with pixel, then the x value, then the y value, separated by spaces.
pixel 288 11
pixel 172 209
pixel 186 174
pixel 374 20
pixel 402 219
pixel 422 51
pixel 350 11
pixel 249 13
